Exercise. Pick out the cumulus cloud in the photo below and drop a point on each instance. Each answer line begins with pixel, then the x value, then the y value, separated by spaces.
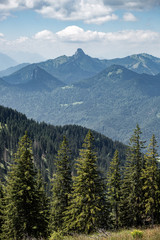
pixel 99 44
pixel 44 35
pixel 129 17
pixel 132 36
pixel 90 11
pixel 100 20
pixel 77 34
pixel 132 4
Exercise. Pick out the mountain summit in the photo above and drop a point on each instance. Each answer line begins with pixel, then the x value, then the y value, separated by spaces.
pixel 79 53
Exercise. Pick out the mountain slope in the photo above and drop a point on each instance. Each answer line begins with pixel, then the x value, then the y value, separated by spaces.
pixel 140 63
pixel 13 69
pixel 81 66
pixel 74 68
pixel 112 103
pixel 46 140
pixel 33 79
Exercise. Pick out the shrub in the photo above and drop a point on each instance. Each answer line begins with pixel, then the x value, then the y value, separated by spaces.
pixel 56 236
pixel 137 234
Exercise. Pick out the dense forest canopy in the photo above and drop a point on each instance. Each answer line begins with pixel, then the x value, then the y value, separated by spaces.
pixel 46 140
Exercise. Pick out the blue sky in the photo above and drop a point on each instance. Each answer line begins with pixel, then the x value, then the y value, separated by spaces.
pixel 32 30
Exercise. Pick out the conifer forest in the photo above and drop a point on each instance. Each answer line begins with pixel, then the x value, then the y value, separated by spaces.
pixel 77 196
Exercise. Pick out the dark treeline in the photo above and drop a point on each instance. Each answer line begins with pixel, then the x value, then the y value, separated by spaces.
pixel 82 201
pixel 46 139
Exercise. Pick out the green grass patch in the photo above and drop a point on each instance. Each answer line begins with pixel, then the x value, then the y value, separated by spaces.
pixel 144 234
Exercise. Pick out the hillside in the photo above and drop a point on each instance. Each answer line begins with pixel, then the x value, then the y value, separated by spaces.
pixel 46 140
pixel 71 69
pixel 112 102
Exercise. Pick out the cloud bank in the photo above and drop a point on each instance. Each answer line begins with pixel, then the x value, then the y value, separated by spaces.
pixel 89 11
pixel 99 44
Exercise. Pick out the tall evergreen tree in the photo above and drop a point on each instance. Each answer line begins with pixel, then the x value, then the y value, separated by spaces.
pixel 114 189
pixel 22 201
pixel 87 208
pixel 62 184
pixel 150 177
pixel 44 206
pixel 132 192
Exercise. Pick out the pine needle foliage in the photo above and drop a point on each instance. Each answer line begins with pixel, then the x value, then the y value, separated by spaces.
pixel 87 209
pixel 113 189
pixel 132 192
pixel 22 200
pixel 150 177
pixel 62 185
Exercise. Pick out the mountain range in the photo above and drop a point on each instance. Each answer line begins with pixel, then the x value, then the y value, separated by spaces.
pixel 109 96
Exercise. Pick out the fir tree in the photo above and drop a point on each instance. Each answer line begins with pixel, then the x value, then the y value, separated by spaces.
pixel 87 209
pixel 62 184
pixel 44 206
pixel 132 192
pixel 113 188
pixel 22 201
pixel 150 177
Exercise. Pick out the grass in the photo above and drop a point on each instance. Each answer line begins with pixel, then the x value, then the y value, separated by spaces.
pixel 148 234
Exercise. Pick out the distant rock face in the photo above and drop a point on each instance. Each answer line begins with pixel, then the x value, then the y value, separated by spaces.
pixel 79 53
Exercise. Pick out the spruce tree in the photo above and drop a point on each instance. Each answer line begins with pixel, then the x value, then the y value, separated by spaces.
pixel 114 189
pixel 44 206
pixel 132 192
pixel 22 200
pixel 62 184
pixel 150 177
pixel 87 208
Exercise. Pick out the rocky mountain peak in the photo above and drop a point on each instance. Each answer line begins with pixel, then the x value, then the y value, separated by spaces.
pixel 79 53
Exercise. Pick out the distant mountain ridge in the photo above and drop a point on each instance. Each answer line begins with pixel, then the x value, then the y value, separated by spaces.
pixel 46 140
pixel 36 79
pixel 111 102
pixel 140 63
pixel 80 66
pixel 11 70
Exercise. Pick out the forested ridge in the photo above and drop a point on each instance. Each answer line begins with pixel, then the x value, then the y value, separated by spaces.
pixel 86 201
pixel 53 181
pixel 46 139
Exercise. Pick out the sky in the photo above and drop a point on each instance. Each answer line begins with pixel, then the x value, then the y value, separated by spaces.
pixel 35 30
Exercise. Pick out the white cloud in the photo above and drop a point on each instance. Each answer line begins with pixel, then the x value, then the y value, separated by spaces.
pixel 89 11
pixel 22 39
pixel 1 35
pixel 44 35
pixel 77 34
pixel 129 17
pixel 132 36
pixel 95 43
pixel 100 20
pixel 132 4
pixel 93 11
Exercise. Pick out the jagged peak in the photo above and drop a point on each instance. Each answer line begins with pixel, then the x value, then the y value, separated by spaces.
pixel 79 53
